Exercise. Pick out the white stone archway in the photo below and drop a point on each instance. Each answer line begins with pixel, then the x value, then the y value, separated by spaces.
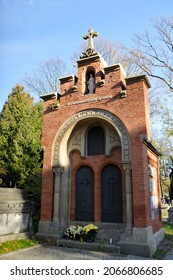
pixel 60 144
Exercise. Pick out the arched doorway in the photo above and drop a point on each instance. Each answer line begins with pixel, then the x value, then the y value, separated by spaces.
pixel 111 195
pixel 84 194
pixel 63 147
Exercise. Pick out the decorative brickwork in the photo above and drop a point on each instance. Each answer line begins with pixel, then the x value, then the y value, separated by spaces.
pixel 118 107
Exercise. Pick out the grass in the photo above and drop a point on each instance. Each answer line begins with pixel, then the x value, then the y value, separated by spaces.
pixel 167 243
pixel 14 245
pixel 168 228
pixel 159 254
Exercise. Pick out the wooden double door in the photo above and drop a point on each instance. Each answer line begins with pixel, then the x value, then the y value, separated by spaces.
pixel 111 194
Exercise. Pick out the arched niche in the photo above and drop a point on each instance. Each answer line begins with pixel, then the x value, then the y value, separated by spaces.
pixel 90 75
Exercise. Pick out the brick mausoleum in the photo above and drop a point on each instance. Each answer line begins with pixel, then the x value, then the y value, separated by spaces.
pixel 99 165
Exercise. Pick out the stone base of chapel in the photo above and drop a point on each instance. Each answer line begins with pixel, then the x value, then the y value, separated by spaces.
pixel 140 242
pixel 50 231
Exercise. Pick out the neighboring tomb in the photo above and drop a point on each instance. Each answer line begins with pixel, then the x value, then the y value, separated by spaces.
pixel 15 212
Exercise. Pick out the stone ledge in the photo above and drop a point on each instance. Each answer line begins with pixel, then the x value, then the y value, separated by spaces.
pixel 15 236
pixel 89 100
pixel 50 238
pixel 137 248
pixel 93 246
pixel 48 96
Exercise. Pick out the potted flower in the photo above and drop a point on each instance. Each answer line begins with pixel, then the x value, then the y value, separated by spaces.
pixel 73 232
pixel 90 232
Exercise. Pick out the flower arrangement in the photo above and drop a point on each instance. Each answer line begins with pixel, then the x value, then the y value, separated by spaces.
pixel 73 232
pixel 86 233
pixel 90 232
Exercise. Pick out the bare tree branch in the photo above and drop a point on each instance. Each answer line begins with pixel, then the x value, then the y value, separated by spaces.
pixel 46 78
pixel 154 54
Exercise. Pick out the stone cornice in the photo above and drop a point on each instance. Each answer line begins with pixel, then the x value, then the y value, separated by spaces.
pixel 151 147
pixel 49 96
pixel 67 79
pixel 89 100
pixel 114 67
pixel 89 59
pixel 138 78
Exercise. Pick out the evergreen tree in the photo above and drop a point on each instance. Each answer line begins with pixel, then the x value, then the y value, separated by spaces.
pixel 20 140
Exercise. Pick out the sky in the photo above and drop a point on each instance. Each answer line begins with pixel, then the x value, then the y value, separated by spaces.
pixel 33 31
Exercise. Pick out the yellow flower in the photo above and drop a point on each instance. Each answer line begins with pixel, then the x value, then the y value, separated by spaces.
pixel 89 227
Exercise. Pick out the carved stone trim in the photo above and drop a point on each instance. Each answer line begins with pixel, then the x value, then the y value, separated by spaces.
pixel 127 166
pixel 89 100
pixel 114 137
pixel 95 113
pixel 77 139
pixel 58 170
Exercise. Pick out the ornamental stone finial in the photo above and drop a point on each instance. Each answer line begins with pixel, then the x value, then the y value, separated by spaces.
pixel 90 48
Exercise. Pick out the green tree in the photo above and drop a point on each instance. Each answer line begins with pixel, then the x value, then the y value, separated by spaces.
pixel 165 146
pixel 20 140
pixel 171 182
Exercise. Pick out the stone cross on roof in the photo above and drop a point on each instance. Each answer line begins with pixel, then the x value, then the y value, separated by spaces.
pixel 91 34
pixel 90 48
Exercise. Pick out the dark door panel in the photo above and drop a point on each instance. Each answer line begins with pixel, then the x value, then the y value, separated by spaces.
pixel 84 194
pixel 111 195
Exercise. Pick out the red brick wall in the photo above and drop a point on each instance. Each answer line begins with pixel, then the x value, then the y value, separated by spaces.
pixel 132 111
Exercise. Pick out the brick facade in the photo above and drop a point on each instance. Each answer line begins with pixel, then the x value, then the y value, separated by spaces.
pixel 120 105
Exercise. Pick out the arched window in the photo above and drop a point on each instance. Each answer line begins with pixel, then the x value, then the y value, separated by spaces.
pixel 96 141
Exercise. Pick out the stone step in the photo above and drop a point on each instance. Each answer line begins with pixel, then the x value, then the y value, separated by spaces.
pixel 90 246
pixel 107 231
pixel 106 234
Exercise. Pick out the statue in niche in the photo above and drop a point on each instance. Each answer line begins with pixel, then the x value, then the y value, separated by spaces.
pixel 91 84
